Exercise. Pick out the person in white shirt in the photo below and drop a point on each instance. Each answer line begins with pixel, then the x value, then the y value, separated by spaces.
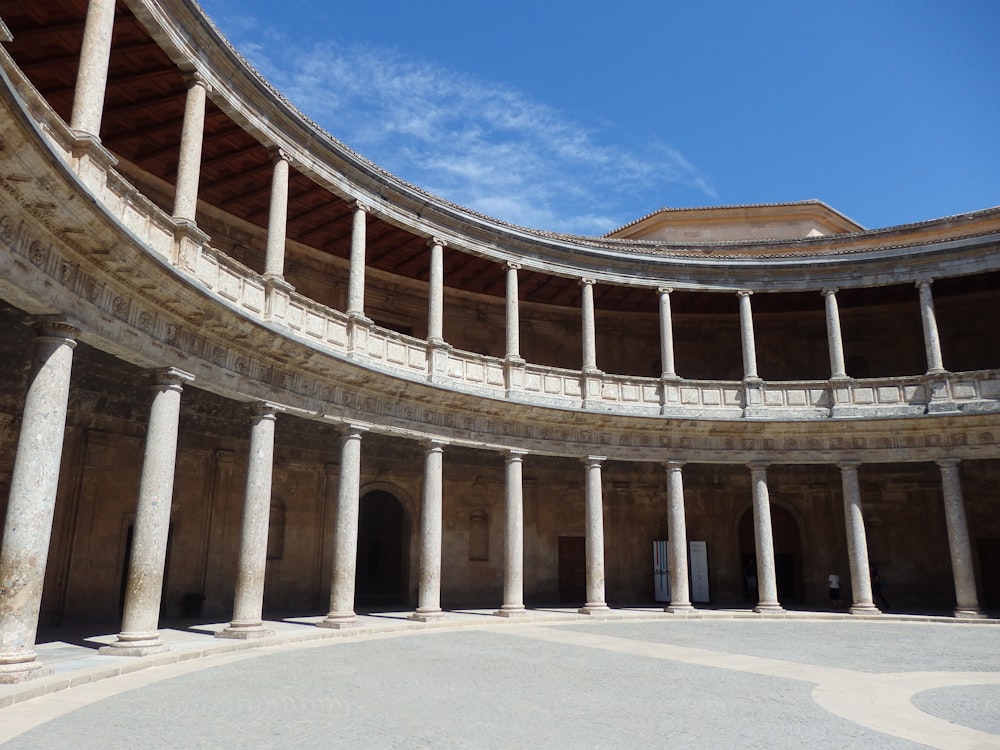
pixel 833 580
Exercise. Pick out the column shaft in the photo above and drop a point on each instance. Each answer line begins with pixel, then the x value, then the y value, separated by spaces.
pixel 666 335
pixel 767 587
pixel 249 603
pixel 140 635
pixel 429 594
pixel 356 280
pixel 189 159
pixel 680 596
pixel 834 337
pixel 966 597
pixel 513 569
pixel 345 535
pixel 594 510
pixel 32 499
pixel 746 330
pixel 435 312
pixel 277 219
pixel 932 341
pixel 513 318
pixel 92 75
pixel 857 542
pixel 589 325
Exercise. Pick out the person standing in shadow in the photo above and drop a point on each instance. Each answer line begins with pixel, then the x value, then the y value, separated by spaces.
pixel 877 586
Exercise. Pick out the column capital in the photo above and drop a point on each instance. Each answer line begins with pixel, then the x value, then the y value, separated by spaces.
pixel 851 464
pixel 671 465
pixel 279 154
pixel 432 445
pixel 515 454
pixel 594 460
pixel 351 430
pixel 432 241
pixel 948 462
pixel 587 282
pixel 827 291
pixel 512 266
pixel 265 410
pixel 55 326
pixel 195 78
pixel 758 465
pixel 359 205
pixel 744 293
pixel 170 377
pixel 661 290
pixel 923 282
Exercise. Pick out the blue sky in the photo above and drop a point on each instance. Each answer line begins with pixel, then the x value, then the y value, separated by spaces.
pixel 576 117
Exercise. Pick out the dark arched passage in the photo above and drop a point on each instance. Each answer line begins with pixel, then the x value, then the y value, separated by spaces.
pixel 383 552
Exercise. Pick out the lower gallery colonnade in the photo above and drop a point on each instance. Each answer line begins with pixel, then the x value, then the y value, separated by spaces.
pixel 39 451
pixel 246 372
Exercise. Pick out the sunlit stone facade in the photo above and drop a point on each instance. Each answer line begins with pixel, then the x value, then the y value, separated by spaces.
pixel 248 374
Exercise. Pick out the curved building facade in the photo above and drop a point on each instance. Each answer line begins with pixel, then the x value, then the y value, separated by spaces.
pixel 247 373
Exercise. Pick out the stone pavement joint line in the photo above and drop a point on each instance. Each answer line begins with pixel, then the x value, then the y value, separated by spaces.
pixel 878 701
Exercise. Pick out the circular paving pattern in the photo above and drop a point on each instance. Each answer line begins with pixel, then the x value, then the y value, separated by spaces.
pixel 748 684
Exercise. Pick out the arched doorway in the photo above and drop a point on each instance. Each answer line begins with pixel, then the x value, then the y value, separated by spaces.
pixel 787 553
pixel 383 552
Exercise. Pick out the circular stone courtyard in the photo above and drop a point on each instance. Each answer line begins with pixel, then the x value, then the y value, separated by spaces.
pixel 748 683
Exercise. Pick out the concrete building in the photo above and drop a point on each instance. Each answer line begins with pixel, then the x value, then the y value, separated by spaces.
pixel 247 373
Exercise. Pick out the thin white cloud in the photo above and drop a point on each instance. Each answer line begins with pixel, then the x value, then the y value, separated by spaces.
pixel 479 144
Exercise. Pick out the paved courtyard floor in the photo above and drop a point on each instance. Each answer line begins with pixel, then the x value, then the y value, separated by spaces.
pixel 551 680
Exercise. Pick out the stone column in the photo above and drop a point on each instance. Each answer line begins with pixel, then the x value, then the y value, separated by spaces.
pixel 595 537
pixel 666 334
pixel 140 635
pixel 513 319
pixel 857 541
pixel 356 280
pixel 277 219
pixel 249 604
pixel 932 342
pixel 32 500
pixel 92 75
pixel 767 586
pixel 589 326
pixel 834 337
pixel 429 593
pixel 680 597
pixel 345 534
pixel 189 159
pixel 746 330
pixel 513 547
pixel 966 598
pixel 435 311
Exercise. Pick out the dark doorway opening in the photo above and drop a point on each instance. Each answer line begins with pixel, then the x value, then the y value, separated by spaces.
pixel 572 569
pixel 383 552
pixel 989 572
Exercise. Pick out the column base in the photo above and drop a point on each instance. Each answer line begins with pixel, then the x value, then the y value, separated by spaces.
pixel 769 608
pixel 679 608
pixel 970 614
pixel 339 621
pixel 427 615
pixel 135 644
pixel 594 608
pixel 511 611
pixel 21 671
pixel 864 609
pixel 245 632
